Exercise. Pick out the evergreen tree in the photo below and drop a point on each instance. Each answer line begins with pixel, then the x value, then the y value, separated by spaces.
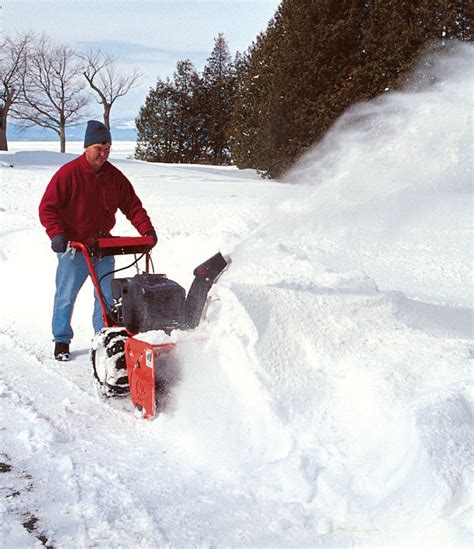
pixel 216 101
pixel 318 57
pixel 188 119
pixel 240 141
pixel 186 84
pixel 249 119
pixel 156 133
pixel 167 124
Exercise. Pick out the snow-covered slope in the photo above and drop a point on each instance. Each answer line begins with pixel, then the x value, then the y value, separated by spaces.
pixel 327 398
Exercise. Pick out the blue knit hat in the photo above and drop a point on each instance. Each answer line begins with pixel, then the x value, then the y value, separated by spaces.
pixel 96 132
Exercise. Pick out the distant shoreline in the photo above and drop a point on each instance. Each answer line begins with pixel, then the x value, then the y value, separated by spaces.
pixel 120 149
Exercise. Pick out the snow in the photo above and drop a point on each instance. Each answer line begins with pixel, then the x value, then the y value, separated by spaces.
pixel 325 401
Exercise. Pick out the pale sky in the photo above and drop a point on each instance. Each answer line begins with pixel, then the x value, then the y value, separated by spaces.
pixel 150 35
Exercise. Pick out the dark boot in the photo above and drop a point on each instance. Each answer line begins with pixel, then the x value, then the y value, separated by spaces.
pixel 61 351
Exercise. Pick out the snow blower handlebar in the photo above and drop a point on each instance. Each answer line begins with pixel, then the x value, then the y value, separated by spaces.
pixel 121 245
pixel 102 247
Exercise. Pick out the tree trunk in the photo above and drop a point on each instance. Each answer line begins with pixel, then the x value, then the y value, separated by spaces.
pixel 3 139
pixel 107 109
pixel 62 139
pixel 3 130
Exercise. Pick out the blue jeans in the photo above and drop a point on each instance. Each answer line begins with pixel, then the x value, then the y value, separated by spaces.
pixel 71 274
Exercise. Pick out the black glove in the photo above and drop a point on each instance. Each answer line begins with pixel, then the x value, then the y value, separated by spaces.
pixel 59 243
pixel 153 234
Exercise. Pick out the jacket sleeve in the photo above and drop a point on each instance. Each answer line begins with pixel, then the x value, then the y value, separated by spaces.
pixel 132 208
pixel 50 205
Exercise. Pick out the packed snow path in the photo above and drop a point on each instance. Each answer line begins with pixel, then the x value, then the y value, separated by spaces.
pixel 326 401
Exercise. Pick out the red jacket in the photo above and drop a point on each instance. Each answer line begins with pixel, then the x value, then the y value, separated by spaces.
pixel 81 203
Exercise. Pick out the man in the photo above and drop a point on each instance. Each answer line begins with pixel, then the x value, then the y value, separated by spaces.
pixel 80 203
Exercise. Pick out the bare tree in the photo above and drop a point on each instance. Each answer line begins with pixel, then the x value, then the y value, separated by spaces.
pixel 13 57
pixel 100 72
pixel 52 89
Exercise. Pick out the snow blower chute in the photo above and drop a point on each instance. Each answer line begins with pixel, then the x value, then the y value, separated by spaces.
pixel 122 363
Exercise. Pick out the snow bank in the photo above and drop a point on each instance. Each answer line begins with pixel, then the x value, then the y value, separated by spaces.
pixel 36 159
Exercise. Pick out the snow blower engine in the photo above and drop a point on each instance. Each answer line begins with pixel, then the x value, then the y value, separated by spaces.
pixel 124 364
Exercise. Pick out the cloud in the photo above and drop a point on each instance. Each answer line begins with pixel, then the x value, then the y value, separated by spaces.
pixel 152 62
pixel 138 51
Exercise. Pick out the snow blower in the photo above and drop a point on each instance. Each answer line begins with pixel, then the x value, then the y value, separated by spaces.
pixel 122 363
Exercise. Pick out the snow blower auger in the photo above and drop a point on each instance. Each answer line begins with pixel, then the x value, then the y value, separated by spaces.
pixel 122 363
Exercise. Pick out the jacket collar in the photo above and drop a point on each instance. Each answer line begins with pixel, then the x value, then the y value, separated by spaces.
pixel 87 167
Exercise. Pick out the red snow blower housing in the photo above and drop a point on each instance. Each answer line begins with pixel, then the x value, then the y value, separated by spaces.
pixel 125 364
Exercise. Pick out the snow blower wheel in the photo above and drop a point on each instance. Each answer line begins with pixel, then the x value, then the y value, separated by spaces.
pixel 108 362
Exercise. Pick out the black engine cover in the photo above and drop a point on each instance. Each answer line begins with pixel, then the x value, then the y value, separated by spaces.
pixel 149 302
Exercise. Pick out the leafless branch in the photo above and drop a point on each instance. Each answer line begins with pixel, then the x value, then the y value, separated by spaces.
pixel 101 74
pixel 52 89
pixel 13 62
